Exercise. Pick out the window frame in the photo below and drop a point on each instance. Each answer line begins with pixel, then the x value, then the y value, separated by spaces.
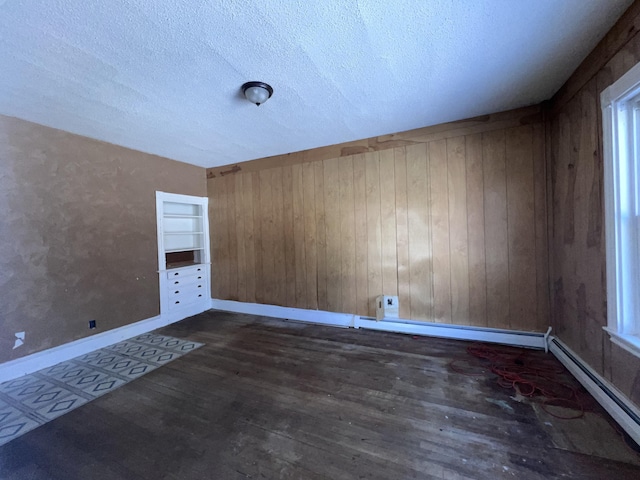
pixel 620 104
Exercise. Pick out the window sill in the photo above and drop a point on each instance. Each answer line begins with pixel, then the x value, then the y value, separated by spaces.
pixel 630 343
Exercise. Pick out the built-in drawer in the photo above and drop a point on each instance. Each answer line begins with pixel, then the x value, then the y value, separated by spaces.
pixel 185 281
pixel 187 289
pixel 186 272
pixel 185 299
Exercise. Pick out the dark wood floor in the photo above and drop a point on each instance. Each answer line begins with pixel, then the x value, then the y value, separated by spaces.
pixel 269 399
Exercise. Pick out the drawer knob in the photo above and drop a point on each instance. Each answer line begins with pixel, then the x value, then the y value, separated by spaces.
pixel 200 295
pixel 177 301
pixel 177 273
pixel 176 282
pixel 177 291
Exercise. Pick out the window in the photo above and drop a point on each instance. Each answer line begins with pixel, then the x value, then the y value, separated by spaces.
pixel 621 147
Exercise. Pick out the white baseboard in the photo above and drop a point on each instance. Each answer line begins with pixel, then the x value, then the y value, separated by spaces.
pixel 507 337
pixel 47 358
pixel 300 314
pixel 612 400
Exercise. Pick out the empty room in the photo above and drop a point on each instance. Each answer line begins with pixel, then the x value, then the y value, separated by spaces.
pixel 320 240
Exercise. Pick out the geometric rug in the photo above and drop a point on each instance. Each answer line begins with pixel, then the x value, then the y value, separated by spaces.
pixel 35 399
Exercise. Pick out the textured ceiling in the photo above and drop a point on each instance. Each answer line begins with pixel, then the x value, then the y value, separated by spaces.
pixel 164 76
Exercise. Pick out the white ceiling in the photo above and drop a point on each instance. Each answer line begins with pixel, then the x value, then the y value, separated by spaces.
pixel 164 76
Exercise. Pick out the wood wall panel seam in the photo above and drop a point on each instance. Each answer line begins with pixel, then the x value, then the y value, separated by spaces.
pixel 311 254
pixel 374 245
pixel 239 240
pixel 496 243
pixel 402 232
pixel 332 226
pixel 475 229
pixel 299 236
pixel 521 219
pixel 347 236
pixel 279 253
pixel 441 233
pixel 359 193
pixel 388 217
pixel 232 233
pixel 321 233
pixel 459 235
pixel 289 246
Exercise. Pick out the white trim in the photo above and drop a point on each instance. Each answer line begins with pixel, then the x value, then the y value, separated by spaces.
pixel 185 312
pixel 630 343
pixel 586 375
pixel 610 215
pixel 621 162
pixel 289 313
pixel 457 332
pixel 622 87
pixel 52 356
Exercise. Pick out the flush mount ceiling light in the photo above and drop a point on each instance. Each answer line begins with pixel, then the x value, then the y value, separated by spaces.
pixel 257 92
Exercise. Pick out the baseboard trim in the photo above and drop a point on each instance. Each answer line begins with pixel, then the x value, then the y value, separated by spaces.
pixel 300 314
pixel 47 358
pixel 457 332
pixel 608 396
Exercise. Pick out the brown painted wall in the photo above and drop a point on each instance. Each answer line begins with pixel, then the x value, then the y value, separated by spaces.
pixel 451 218
pixel 577 213
pixel 77 234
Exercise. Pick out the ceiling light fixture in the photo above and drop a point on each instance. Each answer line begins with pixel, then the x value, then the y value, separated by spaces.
pixel 257 92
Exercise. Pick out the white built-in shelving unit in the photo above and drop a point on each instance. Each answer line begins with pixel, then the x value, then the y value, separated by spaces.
pixel 183 253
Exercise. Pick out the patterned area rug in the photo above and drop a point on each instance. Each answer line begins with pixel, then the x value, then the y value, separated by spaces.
pixel 33 400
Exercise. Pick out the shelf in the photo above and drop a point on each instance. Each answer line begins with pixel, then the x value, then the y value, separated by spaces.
pixel 183 250
pixel 186 263
pixel 175 215
pixel 182 209
pixel 184 233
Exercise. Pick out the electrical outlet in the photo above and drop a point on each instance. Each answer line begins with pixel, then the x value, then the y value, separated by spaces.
pixel 19 339
pixel 92 324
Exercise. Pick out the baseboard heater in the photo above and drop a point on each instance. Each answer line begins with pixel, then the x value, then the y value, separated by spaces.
pixel 609 397
pixel 455 332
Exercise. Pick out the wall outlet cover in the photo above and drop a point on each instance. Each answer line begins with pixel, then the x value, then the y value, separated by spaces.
pixel 19 339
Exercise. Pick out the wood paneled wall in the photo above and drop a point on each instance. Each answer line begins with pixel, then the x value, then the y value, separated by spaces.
pixel 451 219
pixel 578 276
